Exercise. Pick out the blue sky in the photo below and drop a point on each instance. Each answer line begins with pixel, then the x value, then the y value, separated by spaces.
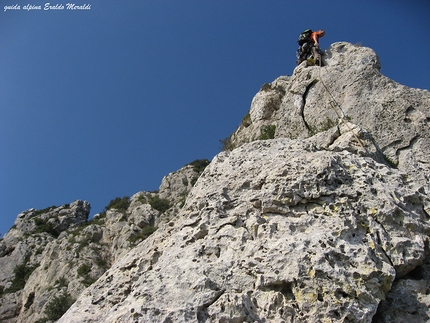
pixel 102 103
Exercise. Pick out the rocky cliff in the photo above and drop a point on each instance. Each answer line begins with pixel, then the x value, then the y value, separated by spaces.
pixel 50 256
pixel 317 211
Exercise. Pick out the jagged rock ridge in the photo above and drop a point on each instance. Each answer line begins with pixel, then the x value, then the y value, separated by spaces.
pixel 327 222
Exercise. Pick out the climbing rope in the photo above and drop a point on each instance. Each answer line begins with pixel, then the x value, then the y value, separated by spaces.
pixel 331 99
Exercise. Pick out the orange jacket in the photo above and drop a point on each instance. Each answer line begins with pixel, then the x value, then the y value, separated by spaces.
pixel 317 35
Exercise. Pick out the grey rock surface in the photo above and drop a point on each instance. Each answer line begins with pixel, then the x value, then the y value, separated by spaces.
pixel 349 87
pixel 273 231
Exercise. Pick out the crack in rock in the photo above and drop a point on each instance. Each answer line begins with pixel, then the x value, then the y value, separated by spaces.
pixel 305 94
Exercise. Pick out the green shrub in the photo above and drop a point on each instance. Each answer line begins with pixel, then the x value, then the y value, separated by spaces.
pixel 322 126
pixel 391 162
pixel 22 272
pixel 101 263
pixel 45 226
pixel 143 234
pixel 183 196
pixel 199 165
pixel 226 144
pixel 120 204
pixel 61 282
pixel 327 124
pixel 266 87
pixel 194 180
pixel 88 281
pixel 84 270
pixel 246 120
pixel 101 219
pixel 267 132
pixel 158 203
pixel 55 309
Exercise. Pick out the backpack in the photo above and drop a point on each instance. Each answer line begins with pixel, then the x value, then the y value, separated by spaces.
pixel 304 37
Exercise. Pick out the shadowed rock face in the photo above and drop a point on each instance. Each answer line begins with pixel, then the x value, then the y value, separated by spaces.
pixel 327 222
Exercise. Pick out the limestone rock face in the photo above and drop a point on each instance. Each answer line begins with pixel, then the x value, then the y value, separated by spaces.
pixel 273 231
pixel 22 252
pixel 350 87
pixel 176 186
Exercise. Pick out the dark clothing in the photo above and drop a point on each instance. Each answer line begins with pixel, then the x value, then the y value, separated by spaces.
pixel 317 55
pixel 303 52
pixel 311 48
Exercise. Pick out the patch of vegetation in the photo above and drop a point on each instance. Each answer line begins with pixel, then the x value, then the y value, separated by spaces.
pixel 45 226
pixel 226 144
pixel 84 271
pixel 88 281
pixel 199 165
pixel 55 309
pixel 183 196
pixel 158 203
pixel 194 180
pixel 142 198
pixel 39 251
pixel 61 282
pixel 246 120
pixel 1 291
pixel 99 220
pixel 327 124
pixel 120 204
pixel 323 126
pixel 392 163
pixel 101 263
pixel 22 273
pixel 85 242
pixel 267 132
pixel 143 234
pixel 266 87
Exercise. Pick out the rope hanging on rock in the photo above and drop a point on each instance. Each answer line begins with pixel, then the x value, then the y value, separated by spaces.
pixel 331 99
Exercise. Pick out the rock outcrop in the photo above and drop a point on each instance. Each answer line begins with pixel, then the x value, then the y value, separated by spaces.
pixel 317 212
pixel 349 87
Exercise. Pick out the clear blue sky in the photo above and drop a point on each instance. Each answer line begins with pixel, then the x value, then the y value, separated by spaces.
pixel 103 103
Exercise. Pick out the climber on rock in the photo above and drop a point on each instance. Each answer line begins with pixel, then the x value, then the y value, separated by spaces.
pixel 309 46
